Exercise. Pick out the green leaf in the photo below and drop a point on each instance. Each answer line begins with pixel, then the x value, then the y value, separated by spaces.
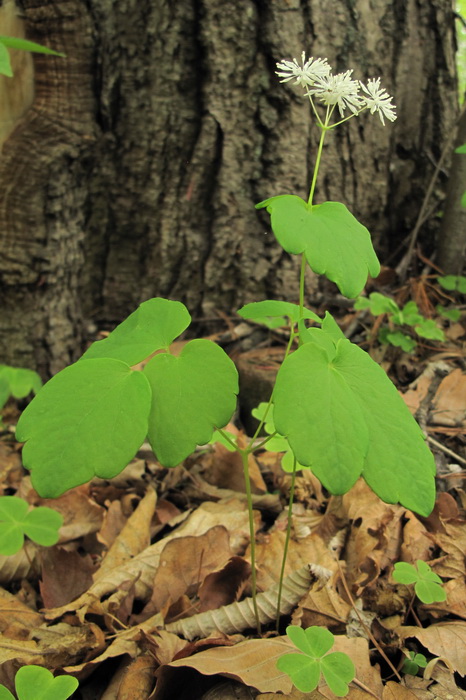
pixel 410 667
pixel 429 329
pixel 317 412
pixel 343 416
pixel 334 242
pixel 5 63
pixel 338 670
pixel 23 382
pixel 398 339
pixel 41 525
pixel 463 199
pixel 260 411
pixel 4 692
pixel 89 420
pixel 330 326
pixel 153 326
pixel 377 303
pixel 450 314
pixel 193 394
pixel 427 585
pixel 453 283
pixel 305 669
pixel 256 311
pixel 218 437
pixel 409 315
pixel 26 45
pixel 37 683
pixel 461 149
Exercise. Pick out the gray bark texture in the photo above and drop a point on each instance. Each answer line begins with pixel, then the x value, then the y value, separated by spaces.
pixel 135 171
pixel 452 235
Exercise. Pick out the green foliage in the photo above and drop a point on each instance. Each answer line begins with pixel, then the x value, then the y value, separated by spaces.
pixel 9 42
pixel 306 668
pixel 334 242
pixel 192 395
pixel 153 326
pixel 89 420
pixel 453 283
pixel 37 683
pixel 275 314
pixel 92 417
pixel 427 585
pixel 17 382
pixel 343 417
pixel 409 315
pixel 41 525
pixel 277 443
pixel 449 314
pixel 414 663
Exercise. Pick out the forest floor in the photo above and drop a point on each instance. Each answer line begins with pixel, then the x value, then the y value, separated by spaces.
pixel 113 603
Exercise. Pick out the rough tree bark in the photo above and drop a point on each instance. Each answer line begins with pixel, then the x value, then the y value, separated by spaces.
pixel 452 234
pixel 135 171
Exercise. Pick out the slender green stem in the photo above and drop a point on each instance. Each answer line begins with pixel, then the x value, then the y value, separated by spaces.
pixel 287 542
pixel 324 130
pixel 261 444
pixel 301 286
pixel 247 481
pixel 226 437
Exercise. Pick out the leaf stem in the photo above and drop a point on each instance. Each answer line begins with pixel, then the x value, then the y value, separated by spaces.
pixel 245 457
pixel 287 542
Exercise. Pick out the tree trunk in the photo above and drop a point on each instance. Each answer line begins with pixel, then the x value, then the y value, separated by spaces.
pixel 136 169
pixel 452 236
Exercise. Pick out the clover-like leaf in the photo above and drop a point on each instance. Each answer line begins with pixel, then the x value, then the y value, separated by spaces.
pixel 453 283
pixel 37 683
pixel 451 314
pixel 377 303
pixel 427 585
pixel 412 664
pixel 18 382
pixel 304 669
pixel 398 339
pixel 334 242
pixel 41 524
pixel 193 394
pixel 259 310
pixel 153 326
pixel 344 417
pixel 427 328
pixel 89 420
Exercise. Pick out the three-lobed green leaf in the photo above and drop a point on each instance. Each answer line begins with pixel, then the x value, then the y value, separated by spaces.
pixel 344 417
pixel 305 669
pixel 89 420
pixel 16 520
pixel 427 584
pixel 38 683
pixel 334 242
pixel 153 326
pixel 193 394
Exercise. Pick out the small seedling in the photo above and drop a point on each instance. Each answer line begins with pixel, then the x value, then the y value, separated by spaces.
pixel 10 42
pixel 41 525
pixel 305 668
pixel 409 315
pixel 18 383
pixel 453 283
pixel 427 585
pixel 38 683
pixel 413 663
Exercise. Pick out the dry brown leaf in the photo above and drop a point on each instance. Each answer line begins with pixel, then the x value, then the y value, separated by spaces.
pixel 65 575
pixel 133 539
pixel 324 607
pixel 417 543
pixel 22 565
pixel 113 523
pixel 185 562
pixel 446 639
pixel 81 515
pixel 375 535
pixel 142 568
pixel 224 468
pixel 449 403
pixel 453 543
pixel 16 618
pixel 138 681
pixel 225 585
pixel 455 604
pixel 396 691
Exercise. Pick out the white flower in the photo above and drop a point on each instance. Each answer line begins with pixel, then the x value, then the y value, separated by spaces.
pixel 310 71
pixel 339 90
pixel 379 100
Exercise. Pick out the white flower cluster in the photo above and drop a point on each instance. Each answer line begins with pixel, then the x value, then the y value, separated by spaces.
pixel 315 75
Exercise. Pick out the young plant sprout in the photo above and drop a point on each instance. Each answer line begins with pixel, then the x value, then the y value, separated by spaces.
pixel 334 408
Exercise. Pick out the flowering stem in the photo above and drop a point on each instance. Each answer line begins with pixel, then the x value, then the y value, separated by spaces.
pixel 324 129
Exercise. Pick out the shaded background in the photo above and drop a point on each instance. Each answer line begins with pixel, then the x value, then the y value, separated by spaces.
pixel 131 168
